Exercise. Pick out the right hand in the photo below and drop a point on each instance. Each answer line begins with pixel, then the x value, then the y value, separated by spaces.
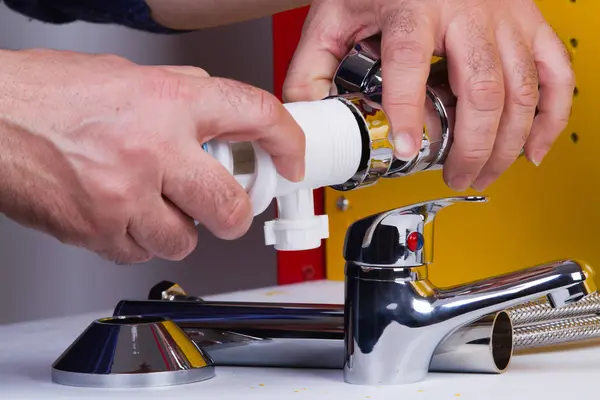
pixel 509 71
pixel 105 154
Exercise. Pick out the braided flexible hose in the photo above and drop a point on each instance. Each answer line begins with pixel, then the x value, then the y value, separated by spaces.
pixel 551 333
pixel 541 311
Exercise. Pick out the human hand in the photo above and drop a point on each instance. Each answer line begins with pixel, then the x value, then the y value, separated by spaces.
pixel 498 52
pixel 105 154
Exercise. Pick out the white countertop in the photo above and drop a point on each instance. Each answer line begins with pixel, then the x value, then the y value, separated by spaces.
pixel 27 351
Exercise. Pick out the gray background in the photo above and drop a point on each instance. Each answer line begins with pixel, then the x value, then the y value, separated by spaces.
pixel 43 278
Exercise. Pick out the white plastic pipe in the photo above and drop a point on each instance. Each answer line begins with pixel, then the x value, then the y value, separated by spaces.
pixel 333 154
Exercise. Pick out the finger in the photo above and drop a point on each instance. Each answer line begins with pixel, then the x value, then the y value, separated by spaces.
pixel 163 230
pixel 123 251
pixel 521 85
pixel 203 189
pixel 321 48
pixel 407 46
pixel 475 73
pixel 236 111
pixel 557 82
pixel 112 242
pixel 185 70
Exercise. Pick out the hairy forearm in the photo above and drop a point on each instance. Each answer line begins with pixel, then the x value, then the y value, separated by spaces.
pixel 196 14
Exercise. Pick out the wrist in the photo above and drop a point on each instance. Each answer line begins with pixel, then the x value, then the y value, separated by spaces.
pixel 10 165
pixel 19 111
pixel 197 14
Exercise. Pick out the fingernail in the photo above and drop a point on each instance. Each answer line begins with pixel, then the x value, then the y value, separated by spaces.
pixel 299 172
pixel 537 158
pixel 404 147
pixel 461 183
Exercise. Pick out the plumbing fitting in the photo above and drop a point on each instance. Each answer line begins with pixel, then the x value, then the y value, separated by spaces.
pixel 347 147
pixel 129 352
pixel 360 72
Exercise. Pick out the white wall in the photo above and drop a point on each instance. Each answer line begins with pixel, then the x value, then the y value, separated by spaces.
pixel 43 278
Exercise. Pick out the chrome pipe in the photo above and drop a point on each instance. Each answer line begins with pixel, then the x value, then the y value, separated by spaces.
pixel 484 346
pixel 528 313
pixel 294 335
pixel 360 71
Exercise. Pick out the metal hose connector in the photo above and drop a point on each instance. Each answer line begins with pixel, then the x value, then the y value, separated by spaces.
pixel 557 332
pixel 541 310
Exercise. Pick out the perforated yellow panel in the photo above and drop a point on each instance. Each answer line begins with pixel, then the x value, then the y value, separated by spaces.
pixel 535 214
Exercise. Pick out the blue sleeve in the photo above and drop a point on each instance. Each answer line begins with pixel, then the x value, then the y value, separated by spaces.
pixel 134 14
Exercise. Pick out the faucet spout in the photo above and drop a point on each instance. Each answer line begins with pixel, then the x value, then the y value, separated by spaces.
pixel 395 318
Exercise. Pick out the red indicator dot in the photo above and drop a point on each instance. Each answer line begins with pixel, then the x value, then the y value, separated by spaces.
pixel 414 241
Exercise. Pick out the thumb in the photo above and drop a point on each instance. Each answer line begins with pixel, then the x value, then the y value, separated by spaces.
pixel 319 52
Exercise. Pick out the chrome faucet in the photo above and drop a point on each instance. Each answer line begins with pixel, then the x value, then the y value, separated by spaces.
pixel 395 325
pixel 395 317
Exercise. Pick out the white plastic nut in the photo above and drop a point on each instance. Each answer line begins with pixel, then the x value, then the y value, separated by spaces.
pixel 293 235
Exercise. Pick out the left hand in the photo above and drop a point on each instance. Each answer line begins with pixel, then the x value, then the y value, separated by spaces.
pixel 498 52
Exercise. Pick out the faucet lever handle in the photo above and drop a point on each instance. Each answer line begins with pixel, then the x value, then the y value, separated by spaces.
pixel 401 237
